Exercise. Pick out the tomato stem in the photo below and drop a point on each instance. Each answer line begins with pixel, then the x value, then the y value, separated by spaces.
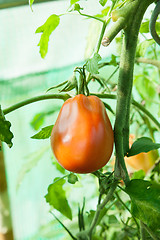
pixel 125 82
pixel 101 206
pixel 66 96
pixel 90 16
pixel 36 99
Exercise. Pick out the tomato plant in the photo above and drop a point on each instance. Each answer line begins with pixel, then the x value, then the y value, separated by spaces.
pixel 82 137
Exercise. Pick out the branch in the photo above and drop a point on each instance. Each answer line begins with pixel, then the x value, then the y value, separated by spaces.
pixel 115 29
pixel 120 17
pixel 125 82
pixel 36 99
pixel 144 110
pixel 152 24
pixel 153 62
pixel 101 206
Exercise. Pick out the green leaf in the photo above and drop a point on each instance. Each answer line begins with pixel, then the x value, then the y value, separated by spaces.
pixel 145 87
pixel 31 161
pixel 5 134
pixel 92 38
pixel 143 144
pixel 57 199
pixel 144 27
pixel 158 27
pixel 57 86
pixel 92 64
pixel 59 167
pixel 103 2
pixel 113 60
pixel 109 108
pixel 76 7
pixel 46 29
pixel 142 47
pixel 138 174
pixel 71 84
pixel 38 119
pixel 145 199
pixel 30 3
pixel 73 1
pixel 44 133
pixel 72 178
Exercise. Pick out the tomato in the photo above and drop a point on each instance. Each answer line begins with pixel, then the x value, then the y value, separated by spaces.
pixel 82 137
pixel 143 160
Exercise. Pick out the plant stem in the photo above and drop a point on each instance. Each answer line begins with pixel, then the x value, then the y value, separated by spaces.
pixel 152 25
pixel 125 81
pixel 153 62
pixel 90 16
pixel 66 96
pixel 120 200
pixel 115 29
pixel 143 231
pixel 67 230
pixel 98 46
pixel 151 233
pixel 147 113
pixel 101 36
pixel 36 99
pixel 100 207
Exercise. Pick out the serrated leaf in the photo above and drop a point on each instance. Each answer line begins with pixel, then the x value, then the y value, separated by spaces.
pixel 92 64
pixel 56 198
pixel 103 2
pixel 44 133
pixel 143 144
pixel 5 134
pixel 46 29
pixel 145 199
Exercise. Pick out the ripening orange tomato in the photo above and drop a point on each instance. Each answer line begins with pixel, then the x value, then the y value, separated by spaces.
pixel 143 160
pixel 82 137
